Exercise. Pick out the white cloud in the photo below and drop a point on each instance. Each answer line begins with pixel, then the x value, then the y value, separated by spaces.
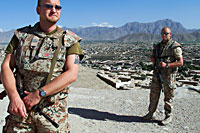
pixel 60 26
pixel 104 24
pixel 1 30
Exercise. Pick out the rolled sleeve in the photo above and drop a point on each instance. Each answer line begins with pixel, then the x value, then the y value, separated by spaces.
pixel 12 46
pixel 76 49
pixel 178 52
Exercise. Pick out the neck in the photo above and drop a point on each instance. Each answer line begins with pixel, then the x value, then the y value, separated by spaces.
pixel 165 41
pixel 46 27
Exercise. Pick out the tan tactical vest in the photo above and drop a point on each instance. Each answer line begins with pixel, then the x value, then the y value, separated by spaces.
pixel 166 53
pixel 34 54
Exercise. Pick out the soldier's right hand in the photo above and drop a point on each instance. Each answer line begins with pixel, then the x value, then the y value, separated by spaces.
pixel 17 107
pixel 152 60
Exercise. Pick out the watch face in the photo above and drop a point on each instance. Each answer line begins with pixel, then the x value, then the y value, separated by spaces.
pixel 42 93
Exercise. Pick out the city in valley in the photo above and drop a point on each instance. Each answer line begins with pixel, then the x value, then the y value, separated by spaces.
pixel 127 65
pixel 111 95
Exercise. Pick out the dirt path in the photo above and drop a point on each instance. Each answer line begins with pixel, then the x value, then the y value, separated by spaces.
pixel 95 107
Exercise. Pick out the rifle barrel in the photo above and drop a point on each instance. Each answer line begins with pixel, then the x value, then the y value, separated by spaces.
pixel 3 94
pixel 49 119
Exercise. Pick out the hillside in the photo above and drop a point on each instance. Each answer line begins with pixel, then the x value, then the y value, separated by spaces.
pixel 146 37
pixel 106 33
pixel 113 33
pixel 6 36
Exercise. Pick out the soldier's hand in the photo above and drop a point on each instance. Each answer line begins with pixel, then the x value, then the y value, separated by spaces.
pixel 17 107
pixel 162 64
pixel 31 99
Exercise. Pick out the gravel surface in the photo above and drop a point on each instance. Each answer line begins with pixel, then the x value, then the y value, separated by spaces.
pixel 95 107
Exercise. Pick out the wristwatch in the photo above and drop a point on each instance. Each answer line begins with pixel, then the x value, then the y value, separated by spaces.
pixel 167 65
pixel 42 93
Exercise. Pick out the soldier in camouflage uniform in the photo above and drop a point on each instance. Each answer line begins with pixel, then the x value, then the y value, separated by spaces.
pixel 169 58
pixel 30 53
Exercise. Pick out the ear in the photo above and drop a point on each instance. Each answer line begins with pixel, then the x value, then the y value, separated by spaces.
pixel 38 10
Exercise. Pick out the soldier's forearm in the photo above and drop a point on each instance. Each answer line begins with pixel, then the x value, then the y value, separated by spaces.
pixel 9 82
pixel 176 64
pixel 60 82
pixel 66 78
pixel 7 76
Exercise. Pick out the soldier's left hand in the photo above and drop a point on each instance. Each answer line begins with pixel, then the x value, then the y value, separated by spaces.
pixel 31 99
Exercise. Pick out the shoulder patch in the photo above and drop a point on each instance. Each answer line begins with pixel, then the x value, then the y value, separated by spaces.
pixel 70 38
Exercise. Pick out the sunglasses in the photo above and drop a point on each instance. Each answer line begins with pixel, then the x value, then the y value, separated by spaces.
pixel 49 6
pixel 165 33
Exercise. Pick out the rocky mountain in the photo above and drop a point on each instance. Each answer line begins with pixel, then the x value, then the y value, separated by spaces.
pixel 146 37
pixel 140 31
pixel 106 33
pixel 6 36
pixel 137 37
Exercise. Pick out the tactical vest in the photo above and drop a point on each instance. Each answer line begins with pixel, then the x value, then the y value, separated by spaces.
pixel 166 53
pixel 34 54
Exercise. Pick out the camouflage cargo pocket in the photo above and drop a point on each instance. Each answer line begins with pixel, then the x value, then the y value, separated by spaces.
pixel 58 96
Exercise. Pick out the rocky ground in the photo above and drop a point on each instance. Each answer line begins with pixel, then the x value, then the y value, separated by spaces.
pixel 95 107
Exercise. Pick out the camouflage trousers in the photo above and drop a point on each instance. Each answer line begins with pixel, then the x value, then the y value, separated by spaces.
pixel 168 89
pixel 36 123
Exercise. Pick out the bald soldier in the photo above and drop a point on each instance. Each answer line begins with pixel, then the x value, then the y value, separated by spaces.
pixel 168 55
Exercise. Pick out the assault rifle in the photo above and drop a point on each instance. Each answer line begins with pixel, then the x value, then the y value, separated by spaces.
pixel 35 108
pixel 157 67
pixel 2 94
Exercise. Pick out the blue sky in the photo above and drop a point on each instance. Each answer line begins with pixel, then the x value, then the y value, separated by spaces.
pixel 79 13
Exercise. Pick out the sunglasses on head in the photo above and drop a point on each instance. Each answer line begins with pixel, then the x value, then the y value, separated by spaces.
pixel 49 6
pixel 165 33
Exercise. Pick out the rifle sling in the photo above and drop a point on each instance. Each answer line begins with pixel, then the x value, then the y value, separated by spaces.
pixel 53 62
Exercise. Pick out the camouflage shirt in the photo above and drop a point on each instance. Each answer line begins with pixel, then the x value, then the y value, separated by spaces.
pixel 34 50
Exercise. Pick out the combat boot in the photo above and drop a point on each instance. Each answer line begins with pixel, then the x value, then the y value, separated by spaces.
pixel 167 120
pixel 148 116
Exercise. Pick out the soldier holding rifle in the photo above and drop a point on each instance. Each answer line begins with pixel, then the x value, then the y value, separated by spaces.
pixel 167 56
pixel 45 60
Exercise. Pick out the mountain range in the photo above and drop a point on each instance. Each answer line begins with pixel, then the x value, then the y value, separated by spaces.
pixel 129 32
pixel 147 37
